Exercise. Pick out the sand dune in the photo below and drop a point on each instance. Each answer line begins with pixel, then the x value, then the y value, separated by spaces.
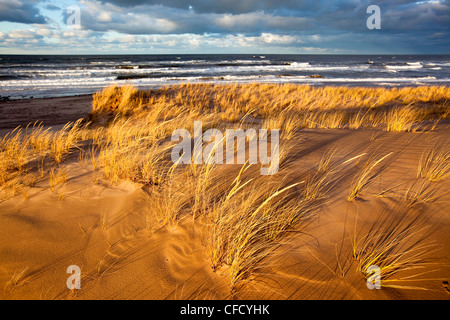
pixel 112 233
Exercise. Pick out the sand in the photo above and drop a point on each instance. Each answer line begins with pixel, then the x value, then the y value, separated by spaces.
pixel 53 112
pixel 108 231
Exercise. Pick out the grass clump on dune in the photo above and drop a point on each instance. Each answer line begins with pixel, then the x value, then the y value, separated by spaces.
pixel 249 221
pixel 397 246
pixel 434 164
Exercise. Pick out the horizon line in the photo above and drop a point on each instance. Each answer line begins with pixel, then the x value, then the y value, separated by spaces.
pixel 272 54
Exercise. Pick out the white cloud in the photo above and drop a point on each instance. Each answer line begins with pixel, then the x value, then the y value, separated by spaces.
pixel 45 32
pixel 278 39
pixel 22 34
pixel 104 17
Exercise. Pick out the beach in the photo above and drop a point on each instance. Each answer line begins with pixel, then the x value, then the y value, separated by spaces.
pixel 354 190
pixel 54 112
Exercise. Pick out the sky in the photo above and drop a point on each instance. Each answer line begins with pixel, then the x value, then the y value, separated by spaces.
pixel 222 26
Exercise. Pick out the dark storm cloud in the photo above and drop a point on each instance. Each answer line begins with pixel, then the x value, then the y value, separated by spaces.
pixel 406 26
pixel 222 6
pixel 20 11
pixel 314 7
pixel 348 15
pixel 52 7
pixel 242 16
pixel 155 19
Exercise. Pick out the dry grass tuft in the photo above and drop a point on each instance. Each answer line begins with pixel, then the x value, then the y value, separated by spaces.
pixel 403 119
pixel 419 193
pixel 117 100
pixel 249 222
pixel 434 163
pixel 18 279
pixel 397 245
pixel 364 177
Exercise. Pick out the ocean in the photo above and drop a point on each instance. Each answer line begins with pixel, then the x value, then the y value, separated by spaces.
pixel 25 76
